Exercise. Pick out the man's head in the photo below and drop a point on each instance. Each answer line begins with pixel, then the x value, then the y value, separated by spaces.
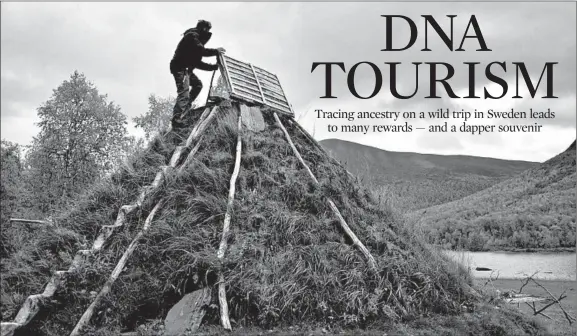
pixel 203 26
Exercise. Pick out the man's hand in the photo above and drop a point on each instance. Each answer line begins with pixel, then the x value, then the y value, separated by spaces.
pixel 221 50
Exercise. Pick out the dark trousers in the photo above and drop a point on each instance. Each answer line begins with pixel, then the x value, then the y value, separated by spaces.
pixel 185 98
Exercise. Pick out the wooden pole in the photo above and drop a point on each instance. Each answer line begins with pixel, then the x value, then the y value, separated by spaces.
pixel 307 135
pixel 31 221
pixel 190 155
pixel 343 223
pixel 115 273
pixel 196 135
pixel 225 232
pixel 317 145
pixel 210 86
pixel 201 126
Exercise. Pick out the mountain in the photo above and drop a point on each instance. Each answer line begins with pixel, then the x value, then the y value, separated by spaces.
pixel 415 181
pixel 533 210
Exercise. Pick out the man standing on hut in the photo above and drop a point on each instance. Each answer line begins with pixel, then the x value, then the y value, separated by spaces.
pixel 187 57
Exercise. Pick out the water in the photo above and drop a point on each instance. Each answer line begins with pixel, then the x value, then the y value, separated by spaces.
pixel 517 265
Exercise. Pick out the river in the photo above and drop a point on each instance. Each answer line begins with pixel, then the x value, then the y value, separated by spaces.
pixel 516 265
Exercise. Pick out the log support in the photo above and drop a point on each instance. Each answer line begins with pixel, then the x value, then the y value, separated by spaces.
pixel 333 207
pixel 224 318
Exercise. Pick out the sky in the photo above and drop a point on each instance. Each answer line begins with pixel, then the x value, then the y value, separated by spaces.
pixel 125 50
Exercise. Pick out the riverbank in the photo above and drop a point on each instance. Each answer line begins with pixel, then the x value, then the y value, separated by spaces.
pixel 558 324
pixel 520 250
pixel 534 250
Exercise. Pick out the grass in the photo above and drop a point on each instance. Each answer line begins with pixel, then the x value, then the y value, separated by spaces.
pixel 285 248
pixel 288 263
pixel 485 320
pixel 43 250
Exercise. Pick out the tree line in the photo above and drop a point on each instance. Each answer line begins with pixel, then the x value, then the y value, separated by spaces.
pixel 504 232
pixel 83 137
pixel 539 217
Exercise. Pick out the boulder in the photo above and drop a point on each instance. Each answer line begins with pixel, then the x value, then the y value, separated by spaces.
pixel 187 314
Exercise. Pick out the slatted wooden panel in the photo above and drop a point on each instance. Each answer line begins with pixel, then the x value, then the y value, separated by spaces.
pixel 248 82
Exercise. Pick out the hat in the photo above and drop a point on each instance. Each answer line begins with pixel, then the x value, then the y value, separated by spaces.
pixel 203 24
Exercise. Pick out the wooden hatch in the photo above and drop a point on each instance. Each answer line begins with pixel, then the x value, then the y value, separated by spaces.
pixel 243 81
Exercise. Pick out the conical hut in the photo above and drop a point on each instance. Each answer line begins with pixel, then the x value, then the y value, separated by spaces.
pixel 240 220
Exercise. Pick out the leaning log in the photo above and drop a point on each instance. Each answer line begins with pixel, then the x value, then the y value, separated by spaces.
pixel 333 207
pixel 195 135
pixel 226 230
pixel 31 221
pixel 85 319
pixel 317 145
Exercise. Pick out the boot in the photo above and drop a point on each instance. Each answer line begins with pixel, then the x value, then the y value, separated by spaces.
pixel 178 123
pixel 188 107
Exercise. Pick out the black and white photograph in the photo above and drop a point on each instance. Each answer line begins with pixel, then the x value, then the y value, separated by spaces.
pixel 288 168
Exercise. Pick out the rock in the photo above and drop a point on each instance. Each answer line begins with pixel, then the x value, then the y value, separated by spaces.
pixel 252 118
pixel 187 314
pixel 483 269
pixel 8 328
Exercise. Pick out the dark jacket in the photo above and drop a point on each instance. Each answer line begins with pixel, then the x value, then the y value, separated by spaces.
pixel 191 50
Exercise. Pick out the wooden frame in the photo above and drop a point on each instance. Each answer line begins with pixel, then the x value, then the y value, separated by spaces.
pixel 252 84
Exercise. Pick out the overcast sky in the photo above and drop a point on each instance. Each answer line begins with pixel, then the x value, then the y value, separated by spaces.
pixel 125 49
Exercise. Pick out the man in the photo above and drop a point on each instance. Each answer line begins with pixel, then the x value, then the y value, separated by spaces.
pixel 187 57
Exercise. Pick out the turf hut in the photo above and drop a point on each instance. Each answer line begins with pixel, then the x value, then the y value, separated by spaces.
pixel 241 220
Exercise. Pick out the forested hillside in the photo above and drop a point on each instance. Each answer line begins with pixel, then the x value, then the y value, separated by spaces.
pixel 534 210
